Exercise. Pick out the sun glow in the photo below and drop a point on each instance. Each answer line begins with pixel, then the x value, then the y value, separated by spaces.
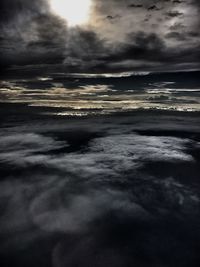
pixel 74 11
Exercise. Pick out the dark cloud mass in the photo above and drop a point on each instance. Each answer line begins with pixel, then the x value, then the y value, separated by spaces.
pixel 31 34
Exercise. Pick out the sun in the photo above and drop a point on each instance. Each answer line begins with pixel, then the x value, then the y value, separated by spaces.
pixel 76 12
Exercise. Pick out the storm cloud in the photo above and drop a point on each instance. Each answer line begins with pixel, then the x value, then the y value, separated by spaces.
pixel 120 35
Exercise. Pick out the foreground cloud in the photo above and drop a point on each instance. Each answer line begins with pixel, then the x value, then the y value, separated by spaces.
pixel 103 187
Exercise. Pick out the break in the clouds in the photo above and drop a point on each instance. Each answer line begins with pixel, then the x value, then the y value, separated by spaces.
pixel 131 35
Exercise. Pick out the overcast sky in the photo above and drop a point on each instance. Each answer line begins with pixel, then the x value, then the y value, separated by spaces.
pixel 121 35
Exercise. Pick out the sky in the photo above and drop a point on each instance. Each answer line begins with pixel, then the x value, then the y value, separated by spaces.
pixel 118 36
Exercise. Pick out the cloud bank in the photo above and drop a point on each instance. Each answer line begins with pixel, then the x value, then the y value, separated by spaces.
pixel 120 36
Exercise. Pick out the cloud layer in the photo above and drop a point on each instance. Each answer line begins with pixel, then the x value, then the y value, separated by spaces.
pixel 101 187
pixel 128 35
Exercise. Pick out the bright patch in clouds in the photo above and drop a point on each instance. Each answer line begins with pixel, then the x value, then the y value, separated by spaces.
pixel 74 11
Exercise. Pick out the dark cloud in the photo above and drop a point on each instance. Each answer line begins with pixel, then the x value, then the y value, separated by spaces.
pixel 11 9
pixel 177 26
pixel 151 48
pixel 32 35
pixel 154 7
pixel 174 13
pixel 109 17
pixel 135 5
pixel 178 1
pixel 176 35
